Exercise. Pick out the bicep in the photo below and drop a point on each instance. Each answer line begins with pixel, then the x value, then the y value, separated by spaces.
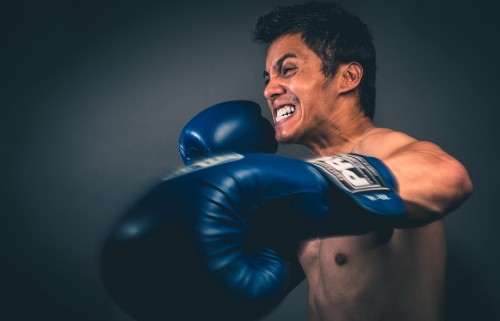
pixel 431 182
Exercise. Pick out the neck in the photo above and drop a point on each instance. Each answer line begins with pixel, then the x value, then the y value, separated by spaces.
pixel 346 129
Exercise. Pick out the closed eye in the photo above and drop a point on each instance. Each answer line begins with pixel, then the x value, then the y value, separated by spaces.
pixel 286 71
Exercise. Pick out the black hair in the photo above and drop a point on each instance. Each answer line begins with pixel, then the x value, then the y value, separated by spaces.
pixel 331 32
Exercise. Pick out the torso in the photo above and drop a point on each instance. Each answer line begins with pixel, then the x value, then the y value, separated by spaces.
pixel 376 276
pixel 381 275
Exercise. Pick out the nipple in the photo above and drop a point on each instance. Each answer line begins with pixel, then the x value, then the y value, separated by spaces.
pixel 340 259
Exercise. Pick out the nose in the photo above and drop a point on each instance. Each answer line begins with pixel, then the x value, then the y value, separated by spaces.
pixel 273 89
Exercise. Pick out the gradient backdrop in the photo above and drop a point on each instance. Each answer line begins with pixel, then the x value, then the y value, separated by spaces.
pixel 93 96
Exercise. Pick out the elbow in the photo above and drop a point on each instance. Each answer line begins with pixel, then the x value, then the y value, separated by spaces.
pixel 440 187
pixel 452 188
pixel 460 186
pixel 464 184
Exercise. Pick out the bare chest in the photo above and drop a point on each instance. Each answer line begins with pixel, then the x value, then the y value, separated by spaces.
pixel 343 251
pixel 364 273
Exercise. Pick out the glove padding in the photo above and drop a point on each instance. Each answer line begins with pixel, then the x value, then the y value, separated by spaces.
pixel 215 240
pixel 232 126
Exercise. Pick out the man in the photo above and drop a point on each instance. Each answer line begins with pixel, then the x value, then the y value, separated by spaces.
pixel 218 239
pixel 320 87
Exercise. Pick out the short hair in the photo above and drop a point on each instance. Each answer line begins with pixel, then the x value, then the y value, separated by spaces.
pixel 332 33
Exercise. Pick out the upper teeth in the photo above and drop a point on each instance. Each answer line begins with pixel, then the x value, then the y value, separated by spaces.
pixel 284 112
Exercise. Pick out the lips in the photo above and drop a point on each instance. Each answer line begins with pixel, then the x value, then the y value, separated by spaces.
pixel 283 112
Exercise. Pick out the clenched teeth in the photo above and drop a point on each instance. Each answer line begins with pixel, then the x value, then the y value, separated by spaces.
pixel 284 112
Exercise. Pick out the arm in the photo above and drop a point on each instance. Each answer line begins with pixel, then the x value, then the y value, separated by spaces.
pixel 431 182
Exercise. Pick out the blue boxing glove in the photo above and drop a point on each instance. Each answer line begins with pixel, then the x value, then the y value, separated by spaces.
pixel 232 126
pixel 212 241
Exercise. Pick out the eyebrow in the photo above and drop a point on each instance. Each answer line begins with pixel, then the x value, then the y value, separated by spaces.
pixel 279 62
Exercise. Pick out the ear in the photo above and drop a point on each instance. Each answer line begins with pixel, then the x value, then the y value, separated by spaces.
pixel 350 76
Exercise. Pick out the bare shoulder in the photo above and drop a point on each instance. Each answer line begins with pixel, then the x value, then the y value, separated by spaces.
pixel 385 142
pixel 431 182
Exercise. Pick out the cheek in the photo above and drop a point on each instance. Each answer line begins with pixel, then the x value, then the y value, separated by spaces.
pixel 302 90
pixel 309 95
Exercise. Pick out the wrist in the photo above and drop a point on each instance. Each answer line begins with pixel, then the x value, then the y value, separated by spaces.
pixel 365 180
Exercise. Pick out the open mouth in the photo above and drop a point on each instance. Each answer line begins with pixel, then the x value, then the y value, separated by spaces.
pixel 284 112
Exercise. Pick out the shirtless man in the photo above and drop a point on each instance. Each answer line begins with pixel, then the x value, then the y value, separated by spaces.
pixel 320 77
pixel 320 65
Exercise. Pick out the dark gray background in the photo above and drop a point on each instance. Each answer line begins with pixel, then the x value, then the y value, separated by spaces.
pixel 93 96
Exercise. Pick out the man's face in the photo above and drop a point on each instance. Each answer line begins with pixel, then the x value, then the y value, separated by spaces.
pixel 299 95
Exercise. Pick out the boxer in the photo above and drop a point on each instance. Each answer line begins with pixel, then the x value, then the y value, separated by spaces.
pixel 161 263
pixel 319 80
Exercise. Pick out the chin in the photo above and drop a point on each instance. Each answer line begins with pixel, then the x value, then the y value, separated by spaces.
pixel 285 138
pixel 288 131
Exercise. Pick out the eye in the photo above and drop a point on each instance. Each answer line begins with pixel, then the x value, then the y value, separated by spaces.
pixel 266 80
pixel 286 71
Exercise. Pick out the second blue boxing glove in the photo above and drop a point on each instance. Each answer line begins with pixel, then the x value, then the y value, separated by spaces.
pixel 232 126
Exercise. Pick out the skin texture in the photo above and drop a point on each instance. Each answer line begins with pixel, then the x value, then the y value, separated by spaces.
pixel 395 270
